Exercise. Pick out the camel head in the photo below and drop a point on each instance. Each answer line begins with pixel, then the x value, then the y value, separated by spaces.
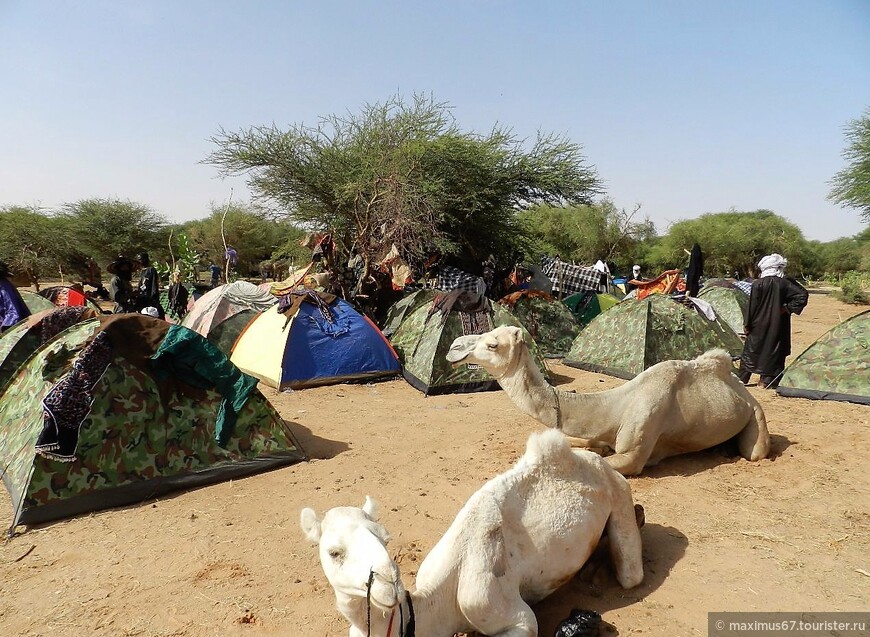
pixel 353 548
pixel 495 351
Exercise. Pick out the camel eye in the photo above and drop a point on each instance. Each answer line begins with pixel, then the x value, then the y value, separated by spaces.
pixel 336 554
pixel 492 345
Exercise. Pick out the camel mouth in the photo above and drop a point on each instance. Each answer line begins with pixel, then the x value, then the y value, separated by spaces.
pixel 460 349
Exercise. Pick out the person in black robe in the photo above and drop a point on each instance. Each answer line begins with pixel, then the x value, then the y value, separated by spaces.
pixel 121 285
pixel 772 301
pixel 178 297
pixel 695 270
pixel 149 287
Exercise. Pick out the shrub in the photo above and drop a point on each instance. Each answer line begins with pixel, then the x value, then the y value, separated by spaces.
pixel 852 285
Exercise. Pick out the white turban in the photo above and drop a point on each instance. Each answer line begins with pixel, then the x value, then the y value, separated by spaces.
pixel 772 265
pixel 151 311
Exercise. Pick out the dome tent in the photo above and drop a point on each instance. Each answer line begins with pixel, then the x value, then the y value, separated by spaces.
pixel 151 423
pixel 835 367
pixel 426 334
pixel 221 314
pixel 549 322
pixel 318 340
pixel 635 335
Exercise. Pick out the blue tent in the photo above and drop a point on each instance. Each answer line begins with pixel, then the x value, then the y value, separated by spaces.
pixel 309 348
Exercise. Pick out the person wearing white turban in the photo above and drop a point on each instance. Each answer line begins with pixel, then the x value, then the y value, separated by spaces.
pixel 772 301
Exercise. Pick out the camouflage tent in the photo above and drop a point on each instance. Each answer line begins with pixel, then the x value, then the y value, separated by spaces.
pixel 635 335
pixel 835 367
pixel 22 340
pixel 138 438
pixel 729 303
pixel 36 303
pixel 548 320
pixel 588 304
pixel 404 306
pixel 422 341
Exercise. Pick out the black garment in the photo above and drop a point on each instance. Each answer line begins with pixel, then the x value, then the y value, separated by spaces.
pixel 121 292
pixel 695 270
pixel 772 301
pixel 149 291
pixel 178 296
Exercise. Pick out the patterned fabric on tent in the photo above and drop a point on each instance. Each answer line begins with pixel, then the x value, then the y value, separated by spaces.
pixel 127 432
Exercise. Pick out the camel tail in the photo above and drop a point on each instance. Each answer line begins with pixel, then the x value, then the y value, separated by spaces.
pixel 546 448
pixel 715 361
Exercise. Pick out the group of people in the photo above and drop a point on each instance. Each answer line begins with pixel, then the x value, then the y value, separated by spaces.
pixel 145 297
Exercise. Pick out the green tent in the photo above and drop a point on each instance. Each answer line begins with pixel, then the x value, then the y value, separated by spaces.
pixel 404 306
pixel 588 304
pixel 635 335
pixel 835 367
pixel 422 341
pixel 20 341
pixel 729 303
pixel 36 303
pixel 548 321
pixel 137 439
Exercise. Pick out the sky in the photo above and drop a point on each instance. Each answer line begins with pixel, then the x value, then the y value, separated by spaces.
pixel 684 107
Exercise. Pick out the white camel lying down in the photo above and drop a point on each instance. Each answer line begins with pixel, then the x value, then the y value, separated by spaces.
pixel 517 539
pixel 671 408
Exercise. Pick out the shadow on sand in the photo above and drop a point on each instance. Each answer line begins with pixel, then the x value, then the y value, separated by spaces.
pixel 595 587
pixel 314 446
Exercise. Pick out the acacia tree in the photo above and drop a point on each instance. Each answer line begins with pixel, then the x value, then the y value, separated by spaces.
pixel 851 186
pixel 406 175
pixel 105 228
pixel 31 242
pixel 731 241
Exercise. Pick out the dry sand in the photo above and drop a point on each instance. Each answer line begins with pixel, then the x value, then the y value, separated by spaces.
pixel 789 533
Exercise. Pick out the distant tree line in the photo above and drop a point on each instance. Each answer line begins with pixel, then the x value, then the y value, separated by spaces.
pixel 403 175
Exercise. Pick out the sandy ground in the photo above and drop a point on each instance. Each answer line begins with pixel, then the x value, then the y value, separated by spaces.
pixel 789 533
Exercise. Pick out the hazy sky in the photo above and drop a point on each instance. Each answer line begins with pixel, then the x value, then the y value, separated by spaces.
pixel 684 107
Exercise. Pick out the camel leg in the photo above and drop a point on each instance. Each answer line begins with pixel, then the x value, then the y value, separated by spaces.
pixel 754 440
pixel 492 610
pixel 634 445
pixel 588 444
pixel 623 534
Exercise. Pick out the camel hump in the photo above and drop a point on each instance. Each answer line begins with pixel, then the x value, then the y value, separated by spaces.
pixel 717 361
pixel 547 448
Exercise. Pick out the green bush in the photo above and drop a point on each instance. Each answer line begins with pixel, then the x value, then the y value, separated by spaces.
pixel 853 286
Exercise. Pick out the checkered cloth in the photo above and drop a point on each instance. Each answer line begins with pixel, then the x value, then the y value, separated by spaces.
pixel 569 279
pixel 743 286
pixel 450 278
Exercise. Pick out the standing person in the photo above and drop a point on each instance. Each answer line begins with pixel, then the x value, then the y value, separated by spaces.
pixel 178 297
pixel 773 299
pixel 149 286
pixel 121 285
pixel 695 271
pixel 12 306
pixel 215 271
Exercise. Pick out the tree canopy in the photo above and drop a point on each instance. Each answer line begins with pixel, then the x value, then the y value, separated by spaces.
pixel 851 186
pixel 405 174
pixel 105 228
pixel 731 241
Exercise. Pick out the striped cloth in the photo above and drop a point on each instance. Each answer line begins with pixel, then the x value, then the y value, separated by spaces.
pixel 450 278
pixel 743 286
pixel 569 279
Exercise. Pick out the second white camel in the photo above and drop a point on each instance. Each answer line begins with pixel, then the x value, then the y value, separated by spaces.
pixel 671 408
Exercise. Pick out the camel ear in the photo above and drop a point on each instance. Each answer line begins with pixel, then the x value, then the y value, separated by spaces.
pixel 310 524
pixel 518 335
pixel 371 508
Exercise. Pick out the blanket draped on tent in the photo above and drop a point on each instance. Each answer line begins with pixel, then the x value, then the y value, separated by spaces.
pixel 569 279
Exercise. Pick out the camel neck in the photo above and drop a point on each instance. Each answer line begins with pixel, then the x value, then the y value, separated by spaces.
pixel 534 396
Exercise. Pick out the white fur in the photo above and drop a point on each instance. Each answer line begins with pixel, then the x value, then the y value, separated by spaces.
pixel 517 539
pixel 671 408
